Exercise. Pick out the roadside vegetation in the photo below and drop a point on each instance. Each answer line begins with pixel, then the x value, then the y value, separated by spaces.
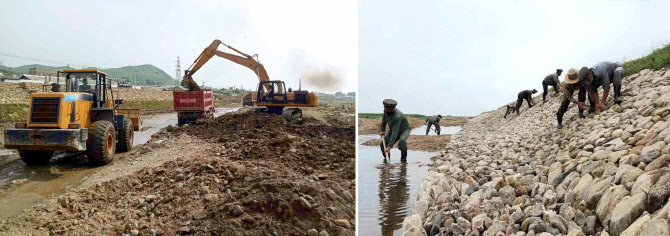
pixel 655 60
pixel 13 112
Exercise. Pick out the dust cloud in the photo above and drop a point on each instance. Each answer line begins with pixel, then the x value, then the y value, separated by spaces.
pixel 312 75
pixel 323 80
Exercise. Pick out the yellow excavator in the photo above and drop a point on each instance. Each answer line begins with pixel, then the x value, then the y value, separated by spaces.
pixel 270 94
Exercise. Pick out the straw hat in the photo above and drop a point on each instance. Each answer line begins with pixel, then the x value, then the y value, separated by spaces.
pixel 572 77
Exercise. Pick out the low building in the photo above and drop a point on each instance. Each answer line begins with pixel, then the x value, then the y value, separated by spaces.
pixel 43 71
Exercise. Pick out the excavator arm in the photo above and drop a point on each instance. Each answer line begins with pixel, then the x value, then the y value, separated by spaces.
pixel 245 60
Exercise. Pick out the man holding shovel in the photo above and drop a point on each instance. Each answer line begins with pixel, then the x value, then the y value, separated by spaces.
pixel 398 130
pixel 433 121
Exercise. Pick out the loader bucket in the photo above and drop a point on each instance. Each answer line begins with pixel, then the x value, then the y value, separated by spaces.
pixel 133 115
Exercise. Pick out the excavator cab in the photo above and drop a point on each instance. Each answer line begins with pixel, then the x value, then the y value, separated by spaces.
pixel 272 91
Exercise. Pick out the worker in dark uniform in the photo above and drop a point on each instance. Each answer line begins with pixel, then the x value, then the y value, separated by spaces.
pixel 525 95
pixel 552 80
pixel 510 109
pixel 573 82
pixel 433 121
pixel 604 74
pixel 398 129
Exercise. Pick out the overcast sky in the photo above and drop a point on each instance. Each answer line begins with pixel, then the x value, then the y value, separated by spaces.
pixel 467 57
pixel 292 37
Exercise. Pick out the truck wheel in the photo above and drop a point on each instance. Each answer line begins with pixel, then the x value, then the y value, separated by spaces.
pixel 35 157
pixel 125 136
pixel 101 143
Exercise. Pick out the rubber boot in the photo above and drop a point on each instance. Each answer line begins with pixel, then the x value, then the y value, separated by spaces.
pixel 403 156
pixel 617 94
pixel 581 114
pixel 559 117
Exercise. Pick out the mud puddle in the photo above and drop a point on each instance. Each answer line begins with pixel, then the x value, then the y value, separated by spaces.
pixel 388 190
pixel 22 186
pixel 443 130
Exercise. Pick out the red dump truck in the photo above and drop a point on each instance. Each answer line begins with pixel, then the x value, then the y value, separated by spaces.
pixel 192 106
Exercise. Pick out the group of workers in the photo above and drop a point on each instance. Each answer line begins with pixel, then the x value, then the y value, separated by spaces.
pixel 586 81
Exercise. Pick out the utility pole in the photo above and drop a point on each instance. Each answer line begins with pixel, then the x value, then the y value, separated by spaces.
pixel 178 70
pixel 135 78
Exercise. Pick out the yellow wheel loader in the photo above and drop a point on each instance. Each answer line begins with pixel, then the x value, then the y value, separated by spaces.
pixel 82 116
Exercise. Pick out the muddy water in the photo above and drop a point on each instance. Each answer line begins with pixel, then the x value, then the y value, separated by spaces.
pixel 443 130
pixel 386 191
pixel 66 169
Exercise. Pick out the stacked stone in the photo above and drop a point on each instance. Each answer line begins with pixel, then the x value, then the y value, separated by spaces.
pixel 608 174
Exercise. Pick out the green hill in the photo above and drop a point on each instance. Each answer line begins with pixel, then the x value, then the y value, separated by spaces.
pixel 146 74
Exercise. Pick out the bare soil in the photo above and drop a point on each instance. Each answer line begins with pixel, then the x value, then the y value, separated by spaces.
pixel 238 174
pixel 371 126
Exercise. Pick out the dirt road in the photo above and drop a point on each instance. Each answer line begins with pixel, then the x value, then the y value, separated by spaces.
pixel 22 186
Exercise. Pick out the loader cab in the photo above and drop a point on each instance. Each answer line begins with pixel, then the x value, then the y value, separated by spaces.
pixel 93 82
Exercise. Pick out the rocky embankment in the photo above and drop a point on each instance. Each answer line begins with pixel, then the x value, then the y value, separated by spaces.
pixel 607 174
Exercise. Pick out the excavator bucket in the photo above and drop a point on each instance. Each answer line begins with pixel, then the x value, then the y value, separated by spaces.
pixel 293 115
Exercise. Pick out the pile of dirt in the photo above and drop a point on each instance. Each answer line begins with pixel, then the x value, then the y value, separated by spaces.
pixel 371 126
pixel 317 115
pixel 263 177
pixel 420 142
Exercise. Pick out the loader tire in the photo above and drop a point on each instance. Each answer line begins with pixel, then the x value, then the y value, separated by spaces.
pixel 101 143
pixel 35 157
pixel 125 136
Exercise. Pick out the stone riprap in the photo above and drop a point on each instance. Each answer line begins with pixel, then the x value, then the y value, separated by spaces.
pixel 607 174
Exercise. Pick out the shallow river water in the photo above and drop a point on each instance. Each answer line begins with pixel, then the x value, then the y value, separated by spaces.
pixel 386 191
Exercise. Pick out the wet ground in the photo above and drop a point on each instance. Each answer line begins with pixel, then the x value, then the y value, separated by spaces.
pixel 66 169
pixel 388 190
pixel 443 130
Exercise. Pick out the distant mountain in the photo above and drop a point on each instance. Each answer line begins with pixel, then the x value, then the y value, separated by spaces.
pixel 146 74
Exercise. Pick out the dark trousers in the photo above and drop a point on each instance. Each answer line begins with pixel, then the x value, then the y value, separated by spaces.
pixel 510 110
pixel 402 143
pixel 545 86
pixel 437 127
pixel 519 101
pixel 581 97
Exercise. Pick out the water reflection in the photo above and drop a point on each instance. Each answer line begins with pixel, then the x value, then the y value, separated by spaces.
pixel 393 196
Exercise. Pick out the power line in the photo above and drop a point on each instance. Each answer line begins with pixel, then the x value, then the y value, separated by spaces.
pixel 42 60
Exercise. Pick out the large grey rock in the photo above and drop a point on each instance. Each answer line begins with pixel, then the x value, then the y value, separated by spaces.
pixel 659 193
pixel 508 194
pixel 592 194
pixel 651 152
pixel 608 201
pixel 635 228
pixel 626 212
pixel 655 227
pixel 412 226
